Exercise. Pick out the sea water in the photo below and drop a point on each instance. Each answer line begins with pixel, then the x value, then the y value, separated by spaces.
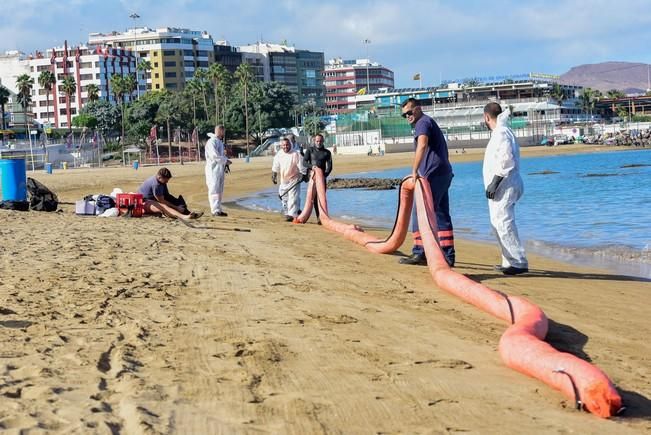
pixel 592 209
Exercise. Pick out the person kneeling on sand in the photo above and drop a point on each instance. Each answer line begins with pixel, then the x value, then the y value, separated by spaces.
pixel 159 201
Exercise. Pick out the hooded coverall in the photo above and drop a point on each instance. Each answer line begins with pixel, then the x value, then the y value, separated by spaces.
pixel 215 166
pixel 502 158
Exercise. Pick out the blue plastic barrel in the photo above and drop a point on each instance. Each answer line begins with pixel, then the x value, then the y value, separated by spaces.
pixel 14 179
pixel 48 168
pixel 136 164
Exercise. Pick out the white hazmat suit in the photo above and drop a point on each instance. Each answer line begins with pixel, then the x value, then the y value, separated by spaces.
pixel 289 166
pixel 215 166
pixel 502 158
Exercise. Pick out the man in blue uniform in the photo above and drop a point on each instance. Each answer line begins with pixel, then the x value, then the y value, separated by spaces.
pixel 430 163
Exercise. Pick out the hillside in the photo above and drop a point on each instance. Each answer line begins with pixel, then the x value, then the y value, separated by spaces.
pixel 626 76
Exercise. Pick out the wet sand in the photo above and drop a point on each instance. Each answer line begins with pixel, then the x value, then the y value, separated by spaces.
pixel 147 326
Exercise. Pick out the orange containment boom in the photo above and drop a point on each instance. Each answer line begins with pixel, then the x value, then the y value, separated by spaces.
pixel 521 346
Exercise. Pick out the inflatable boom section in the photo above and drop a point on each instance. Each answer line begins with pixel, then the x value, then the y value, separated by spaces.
pixel 522 346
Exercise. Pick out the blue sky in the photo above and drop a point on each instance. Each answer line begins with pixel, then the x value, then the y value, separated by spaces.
pixel 439 38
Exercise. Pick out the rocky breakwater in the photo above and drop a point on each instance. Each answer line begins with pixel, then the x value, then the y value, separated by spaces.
pixel 364 183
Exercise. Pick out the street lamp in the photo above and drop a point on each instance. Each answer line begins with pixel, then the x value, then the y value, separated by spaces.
pixel 368 61
pixel 134 16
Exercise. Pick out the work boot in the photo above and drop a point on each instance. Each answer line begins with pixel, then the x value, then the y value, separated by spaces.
pixel 511 270
pixel 414 259
pixel 498 268
pixel 289 219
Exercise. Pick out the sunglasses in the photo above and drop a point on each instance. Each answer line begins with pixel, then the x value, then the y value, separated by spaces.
pixel 406 114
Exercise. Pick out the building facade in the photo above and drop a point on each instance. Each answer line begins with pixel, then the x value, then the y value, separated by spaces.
pixel 300 70
pixel 87 65
pixel 174 53
pixel 345 79
pixel 227 55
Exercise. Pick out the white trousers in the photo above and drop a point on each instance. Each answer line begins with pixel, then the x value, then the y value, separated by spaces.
pixel 502 217
pixel 215 183
pixel 292 200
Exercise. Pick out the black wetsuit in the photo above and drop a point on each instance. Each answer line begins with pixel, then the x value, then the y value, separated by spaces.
pixel 321 158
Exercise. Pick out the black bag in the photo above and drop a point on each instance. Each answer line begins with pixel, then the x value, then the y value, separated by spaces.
pixel 40 197
pixel 104 202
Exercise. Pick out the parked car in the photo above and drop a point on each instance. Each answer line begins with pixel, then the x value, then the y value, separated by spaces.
pixel 561 139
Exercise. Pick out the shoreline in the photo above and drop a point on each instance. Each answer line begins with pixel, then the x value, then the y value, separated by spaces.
pixel 571 255
pixel 145 325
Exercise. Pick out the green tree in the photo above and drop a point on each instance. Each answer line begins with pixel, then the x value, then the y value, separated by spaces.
pixel 558 94
pixel 218 74
pixel 47 80
pixel 130 85
pixel 167 113
pixel 193 91
pixel 244 75
pixel 587 101
pixel 273 103
pixel 68 86
pixel 203 85
pixel 144 66
pixel 92 91
pixel 313 125
pixel 4 99
pixel 107 115
pixel 25 83
pixel 85 120
pixel 614 94
pixel 119 87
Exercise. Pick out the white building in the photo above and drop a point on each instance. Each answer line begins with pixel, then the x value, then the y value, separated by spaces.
pixel 86 65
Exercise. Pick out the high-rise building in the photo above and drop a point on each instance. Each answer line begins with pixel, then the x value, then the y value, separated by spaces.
pixel 344 79
pixel 87 65
pixel 300 70
pixel 174 53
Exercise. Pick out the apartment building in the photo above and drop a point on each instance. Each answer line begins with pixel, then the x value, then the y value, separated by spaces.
pixel 300 70
pixel 174 53
pixel 345 79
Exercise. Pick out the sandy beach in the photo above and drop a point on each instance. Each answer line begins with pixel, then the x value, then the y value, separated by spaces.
pixel 130 326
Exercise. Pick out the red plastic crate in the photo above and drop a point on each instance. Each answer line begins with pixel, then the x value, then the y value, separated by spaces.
pixel 124 201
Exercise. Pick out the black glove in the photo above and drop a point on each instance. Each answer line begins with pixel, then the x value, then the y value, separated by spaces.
pixel 492 188
pixel 306 178
pixel 227 169
pixel 274 177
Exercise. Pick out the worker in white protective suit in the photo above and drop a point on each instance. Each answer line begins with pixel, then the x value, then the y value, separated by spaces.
pixel 288 164
pixel 216 165
pixel 504 188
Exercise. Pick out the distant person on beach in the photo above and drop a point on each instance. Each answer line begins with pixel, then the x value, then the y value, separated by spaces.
pixel 295 145
pixel 288 171
pixel 216 167
pixel 158 200
pixel 431 163
pixel 504 187
pixel 318 156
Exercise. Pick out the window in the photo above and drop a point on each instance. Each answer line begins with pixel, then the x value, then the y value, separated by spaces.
pixel 170 74
pixel 156 76
pixel 157 86
pixel 86 65
pixel 170 63
pixel 86 77
pixel 188 53
pixel 188 63
pixel 169 52
pixel 155 64
pixel 171 86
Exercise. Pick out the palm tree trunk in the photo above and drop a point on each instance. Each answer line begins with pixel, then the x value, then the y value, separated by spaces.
pixel 169 139
pixel 205 105
pixel 216 105
pixel 246 119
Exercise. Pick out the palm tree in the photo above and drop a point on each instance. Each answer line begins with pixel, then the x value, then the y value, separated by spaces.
pixel 558 94
pixel 587 100
pixel 68 86
pixel 201 76
pixel 47 80
pixel 614 94
pixel 130 84
pixel 218 74
pixel 244 75
pixel 25 83
pixel 166 110
pixel 144 66
pixel 4 99
pixel 193 89
pixel 119 89
pixel 92 91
